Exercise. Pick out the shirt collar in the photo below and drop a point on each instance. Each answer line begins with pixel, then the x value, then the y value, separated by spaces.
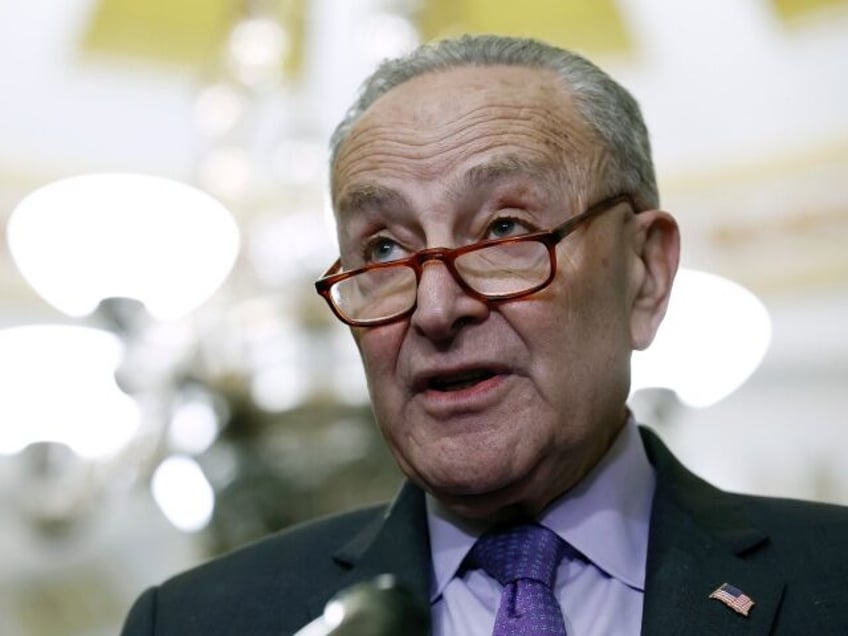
pixel 605 517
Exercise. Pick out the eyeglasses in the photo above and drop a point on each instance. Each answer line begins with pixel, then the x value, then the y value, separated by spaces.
pixel 491 271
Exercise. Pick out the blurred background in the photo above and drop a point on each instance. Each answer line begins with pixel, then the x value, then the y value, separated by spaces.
pixel 170 385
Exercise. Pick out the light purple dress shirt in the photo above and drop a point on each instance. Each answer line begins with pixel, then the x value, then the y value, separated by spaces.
pixel 600 583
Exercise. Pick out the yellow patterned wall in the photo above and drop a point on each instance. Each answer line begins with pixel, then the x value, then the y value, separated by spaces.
pixel 596 27
pixel 183 32
pixel 793 9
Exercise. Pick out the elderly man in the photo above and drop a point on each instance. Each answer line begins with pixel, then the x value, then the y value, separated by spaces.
pixel 502 254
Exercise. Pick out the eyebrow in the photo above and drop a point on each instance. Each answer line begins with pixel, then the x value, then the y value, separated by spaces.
pixel 369 196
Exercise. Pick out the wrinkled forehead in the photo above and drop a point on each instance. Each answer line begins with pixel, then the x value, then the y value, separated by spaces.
pixel 446 117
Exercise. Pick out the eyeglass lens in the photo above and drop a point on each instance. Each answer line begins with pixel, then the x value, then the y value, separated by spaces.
pixel 494 270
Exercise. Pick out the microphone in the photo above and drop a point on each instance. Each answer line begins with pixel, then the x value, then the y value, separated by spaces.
pixel 380 607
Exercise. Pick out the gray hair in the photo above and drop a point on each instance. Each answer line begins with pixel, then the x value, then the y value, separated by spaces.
pixel 607 107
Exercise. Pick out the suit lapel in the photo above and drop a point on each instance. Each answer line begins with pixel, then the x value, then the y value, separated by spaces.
pixel 700 539
pixel 396 543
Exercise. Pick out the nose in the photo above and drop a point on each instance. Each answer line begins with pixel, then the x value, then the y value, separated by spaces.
pixel 443 307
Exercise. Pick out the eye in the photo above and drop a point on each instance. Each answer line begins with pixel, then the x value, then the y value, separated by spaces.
pixel 381 249
pixel 507 226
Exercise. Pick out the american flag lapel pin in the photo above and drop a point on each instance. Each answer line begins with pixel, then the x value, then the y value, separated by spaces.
pixel 734 598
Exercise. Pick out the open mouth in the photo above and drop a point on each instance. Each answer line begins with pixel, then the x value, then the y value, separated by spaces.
pixel 459 381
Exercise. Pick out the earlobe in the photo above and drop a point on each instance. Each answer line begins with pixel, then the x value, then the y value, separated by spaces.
pixel 657 253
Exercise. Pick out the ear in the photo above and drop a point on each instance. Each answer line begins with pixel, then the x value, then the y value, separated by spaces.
pixel 656 243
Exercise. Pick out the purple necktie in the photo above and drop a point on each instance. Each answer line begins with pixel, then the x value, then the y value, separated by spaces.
pixel 524 559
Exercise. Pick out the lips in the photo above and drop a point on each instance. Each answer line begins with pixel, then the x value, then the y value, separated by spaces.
pixel 459 381
pixel 455 379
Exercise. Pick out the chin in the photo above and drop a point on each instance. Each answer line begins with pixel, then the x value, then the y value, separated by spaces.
pixel 496 507
pixel 463 478
pixel 484 496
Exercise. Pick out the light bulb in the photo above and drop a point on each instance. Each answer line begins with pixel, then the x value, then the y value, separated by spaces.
pixel 83 239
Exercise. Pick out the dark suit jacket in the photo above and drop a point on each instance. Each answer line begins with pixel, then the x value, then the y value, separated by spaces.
pixel 790 557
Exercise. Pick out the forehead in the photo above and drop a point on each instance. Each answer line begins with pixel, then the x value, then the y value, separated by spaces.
pixel 443 124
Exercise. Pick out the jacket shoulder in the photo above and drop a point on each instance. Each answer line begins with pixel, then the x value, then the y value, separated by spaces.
pixel 285 554
pixel 266 587
pixel 810 532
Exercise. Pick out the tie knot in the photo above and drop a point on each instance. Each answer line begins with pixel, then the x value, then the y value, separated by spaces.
pixel 519 552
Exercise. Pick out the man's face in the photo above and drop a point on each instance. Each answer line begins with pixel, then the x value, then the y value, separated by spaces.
pixel 495 409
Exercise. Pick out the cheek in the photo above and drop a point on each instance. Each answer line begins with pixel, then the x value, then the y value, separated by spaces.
pixel 575 333
pixel 546 326
pixel 379 348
